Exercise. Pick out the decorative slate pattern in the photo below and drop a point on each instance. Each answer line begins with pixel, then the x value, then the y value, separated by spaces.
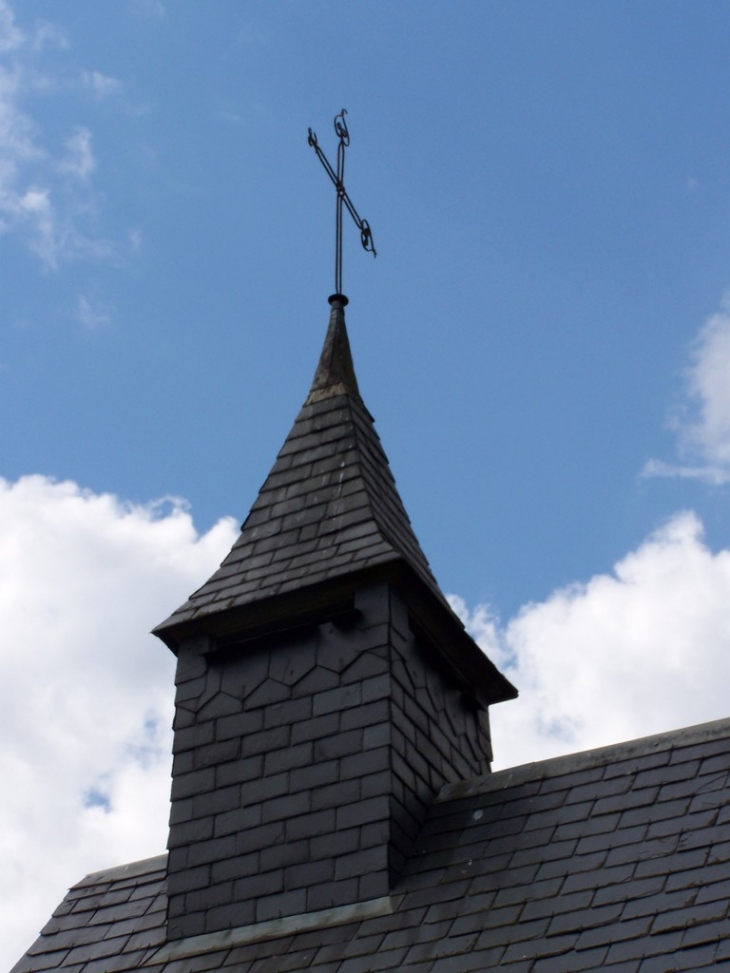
pixel 303 770
pixel 329 506
pixel 615 860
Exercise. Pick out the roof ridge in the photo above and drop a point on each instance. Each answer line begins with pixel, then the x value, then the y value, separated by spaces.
pixel 144 866
pixel 585 759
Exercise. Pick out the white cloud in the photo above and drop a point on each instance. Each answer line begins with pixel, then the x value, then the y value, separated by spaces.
pixel 92 314
pixel 79 160
pixel 149 8
pixel 702 423
pixel 86 693
pixel 102 85
pixel 643 650
pixel 11 37
pixel 46 198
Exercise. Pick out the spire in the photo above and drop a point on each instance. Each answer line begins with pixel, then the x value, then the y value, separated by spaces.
pixel 335 373
pixel 329 507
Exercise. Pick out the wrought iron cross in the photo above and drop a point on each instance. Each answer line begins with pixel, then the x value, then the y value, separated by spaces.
pixel 338 178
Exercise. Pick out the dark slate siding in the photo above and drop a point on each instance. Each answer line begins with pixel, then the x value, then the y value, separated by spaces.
pixel 303 767
pixel 281 782
pixel 615 860
pixel 438 735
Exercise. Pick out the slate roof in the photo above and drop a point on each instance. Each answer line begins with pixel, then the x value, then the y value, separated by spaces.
pixel 615 859
pixel 328 508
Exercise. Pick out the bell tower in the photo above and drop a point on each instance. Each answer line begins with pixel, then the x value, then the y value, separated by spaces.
pixel 325 689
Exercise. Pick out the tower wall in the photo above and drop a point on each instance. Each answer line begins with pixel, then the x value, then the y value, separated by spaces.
pixel 304 764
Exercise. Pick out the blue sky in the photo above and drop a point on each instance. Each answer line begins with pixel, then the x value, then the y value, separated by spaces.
pixel 543 339
pixel 548 189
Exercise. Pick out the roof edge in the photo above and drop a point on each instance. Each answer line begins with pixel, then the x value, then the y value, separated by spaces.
pixel 145 866
pixel 434 618
pixel 584 760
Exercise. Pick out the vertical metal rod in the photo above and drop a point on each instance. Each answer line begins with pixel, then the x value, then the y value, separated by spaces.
pixel 341 131
pixel 338 178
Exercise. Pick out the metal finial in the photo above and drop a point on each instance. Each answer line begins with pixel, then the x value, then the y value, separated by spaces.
pixel 338 178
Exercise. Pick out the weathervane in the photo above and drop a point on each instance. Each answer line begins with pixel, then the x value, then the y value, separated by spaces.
pixel 338 178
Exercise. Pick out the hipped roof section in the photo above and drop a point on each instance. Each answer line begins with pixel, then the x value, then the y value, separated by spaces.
pixel 329 507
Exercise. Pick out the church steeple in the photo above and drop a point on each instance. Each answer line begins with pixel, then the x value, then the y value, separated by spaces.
pixel 325 689
pixel 329 508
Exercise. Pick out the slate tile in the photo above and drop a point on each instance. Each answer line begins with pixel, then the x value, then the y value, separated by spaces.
pixel 372 809
pixel 216 849
pixel 700 751
pixel 547 908
pixel 363 944
pixel 580 919
pixel 506 935
pixel 330 894
pixel 223 798
pixel 237 866
pixel 696 957
pixel 556 850
pixel 590 959
pixel 145 939
pixel 191 831
pixel 662 946
pixel 116 964
pixel 644 797
pixel 650 813
pixel 630 890
pixel 101 949
pixel 45 961
pixel 197 964
pixel 542 948
pixel 654 855
pixel 66 939
pixel 686 868
pixel 708 932
pixel 473 917
pixel 689 916
pixel 689 822
pixel 713 886
pixel 310 825
pixel 657 904
pixel 443 946
pixel 382 960
pixel 693 787
pixel 239 772
pixel 607 934
pixel 366 715
pixel 720 850
pixel 569 814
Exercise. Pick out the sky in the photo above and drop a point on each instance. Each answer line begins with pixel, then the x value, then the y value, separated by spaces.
pixel 543 339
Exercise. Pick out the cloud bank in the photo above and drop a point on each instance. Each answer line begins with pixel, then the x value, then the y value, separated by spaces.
pixel 86 694
pixel 643 650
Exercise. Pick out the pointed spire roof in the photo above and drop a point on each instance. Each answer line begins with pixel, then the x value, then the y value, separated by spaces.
pixel 329 508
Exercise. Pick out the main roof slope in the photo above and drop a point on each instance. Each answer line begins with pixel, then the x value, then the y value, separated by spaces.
pixel 616 859
pixel 329 506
